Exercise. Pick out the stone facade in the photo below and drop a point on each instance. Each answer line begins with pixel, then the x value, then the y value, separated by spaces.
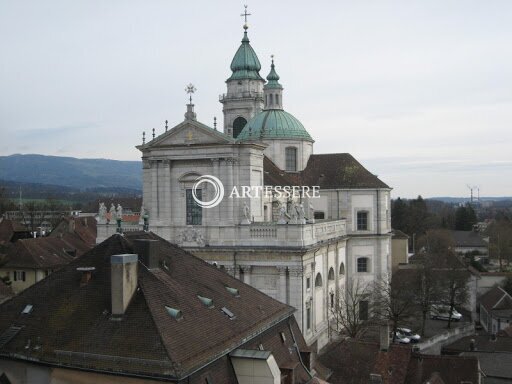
pixel 300 261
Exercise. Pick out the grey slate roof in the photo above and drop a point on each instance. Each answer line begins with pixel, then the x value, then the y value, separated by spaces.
pixel 75 328
pixel 468 239
pixel 328 171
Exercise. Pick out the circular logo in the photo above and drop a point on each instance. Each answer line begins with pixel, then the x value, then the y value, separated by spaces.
pixel 218 187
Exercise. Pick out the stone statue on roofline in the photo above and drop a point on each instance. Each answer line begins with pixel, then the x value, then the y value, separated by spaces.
pixel 142 214
pixel 293 214
pixel 102 214
pixel 247 215
pixel 112 212
pixel 299 209
pixel 283 215
pixel 119 212
pixel 311 218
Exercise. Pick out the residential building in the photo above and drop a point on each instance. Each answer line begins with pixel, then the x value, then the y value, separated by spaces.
pixel 495 310
pixel 494 352
pixel 138 309
pixel 399 249
pixel 28 261
pixel 5 292
pixel 297 250
pixel 12 230
pixel 359 362
pixel 470 243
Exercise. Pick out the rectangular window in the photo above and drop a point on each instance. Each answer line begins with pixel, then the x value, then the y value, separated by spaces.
pixel 308 318
pixel 291 159
pixel 308 283
pixel 362 220
pixel 319 215
pixel 19 275
pixel 194 211
pixel 363 310
pixel 362 264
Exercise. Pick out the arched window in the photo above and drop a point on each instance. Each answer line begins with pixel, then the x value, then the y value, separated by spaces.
pixel 271 99
pixel 291 159
pixel 277 99
pixel 238 125
pixel 330 276
pixel 363 264
pixel 318 280
pixel 342 268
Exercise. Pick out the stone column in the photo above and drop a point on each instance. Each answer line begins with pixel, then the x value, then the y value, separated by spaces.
pixel 313 297
pixel 232 216
pixel 246 269
pixel 296 298
pixel 217 217
pixel 166 164
pixel 154 190
pixel 283 294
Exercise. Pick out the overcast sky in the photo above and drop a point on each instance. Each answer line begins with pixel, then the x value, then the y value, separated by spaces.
pixel 420 92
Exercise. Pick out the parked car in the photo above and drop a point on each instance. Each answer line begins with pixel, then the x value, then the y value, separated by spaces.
pixel 442 312
pixel 414 337
pixel 400 339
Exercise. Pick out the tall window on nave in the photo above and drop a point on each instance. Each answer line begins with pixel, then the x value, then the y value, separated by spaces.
pixel 194 211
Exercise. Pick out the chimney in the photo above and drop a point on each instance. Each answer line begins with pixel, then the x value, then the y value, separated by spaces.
pixel 123 282
pixel 384 337
pixel 147 249
pixel 71 226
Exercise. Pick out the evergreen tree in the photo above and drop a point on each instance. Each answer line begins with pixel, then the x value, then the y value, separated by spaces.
pixel 465 218
pixel 399 212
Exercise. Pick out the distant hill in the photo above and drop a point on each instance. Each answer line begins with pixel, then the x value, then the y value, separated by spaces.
pixel 457 200
pixel 83 174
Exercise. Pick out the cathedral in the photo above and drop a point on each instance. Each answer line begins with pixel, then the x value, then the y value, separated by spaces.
pixel 300 248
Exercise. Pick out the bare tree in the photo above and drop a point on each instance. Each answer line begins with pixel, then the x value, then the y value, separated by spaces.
pixel 393 302
pixel 455 291
pixel 350 311
pixel 500 241
pixel 434 248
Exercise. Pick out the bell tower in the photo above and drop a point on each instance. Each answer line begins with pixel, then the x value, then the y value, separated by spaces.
pixel 244 97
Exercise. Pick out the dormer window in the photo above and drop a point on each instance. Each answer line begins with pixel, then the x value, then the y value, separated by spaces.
pixel 291 159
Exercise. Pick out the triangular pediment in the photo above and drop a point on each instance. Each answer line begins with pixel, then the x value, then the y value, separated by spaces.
pixel 189 132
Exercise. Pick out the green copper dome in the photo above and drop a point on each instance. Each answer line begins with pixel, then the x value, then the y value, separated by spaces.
pixel 273 124
pixel 245 64
pixel 273 79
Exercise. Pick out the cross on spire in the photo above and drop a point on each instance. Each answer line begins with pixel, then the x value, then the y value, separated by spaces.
pixel 190 89
pixel 245 14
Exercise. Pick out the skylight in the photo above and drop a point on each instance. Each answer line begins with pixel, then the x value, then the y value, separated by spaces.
pixel 206 301
pixel 228 313
pixel 28 308
pixel 174 313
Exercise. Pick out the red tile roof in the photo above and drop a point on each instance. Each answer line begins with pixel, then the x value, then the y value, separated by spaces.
pixel 83 227
pixel 9 229
pixel 44 252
